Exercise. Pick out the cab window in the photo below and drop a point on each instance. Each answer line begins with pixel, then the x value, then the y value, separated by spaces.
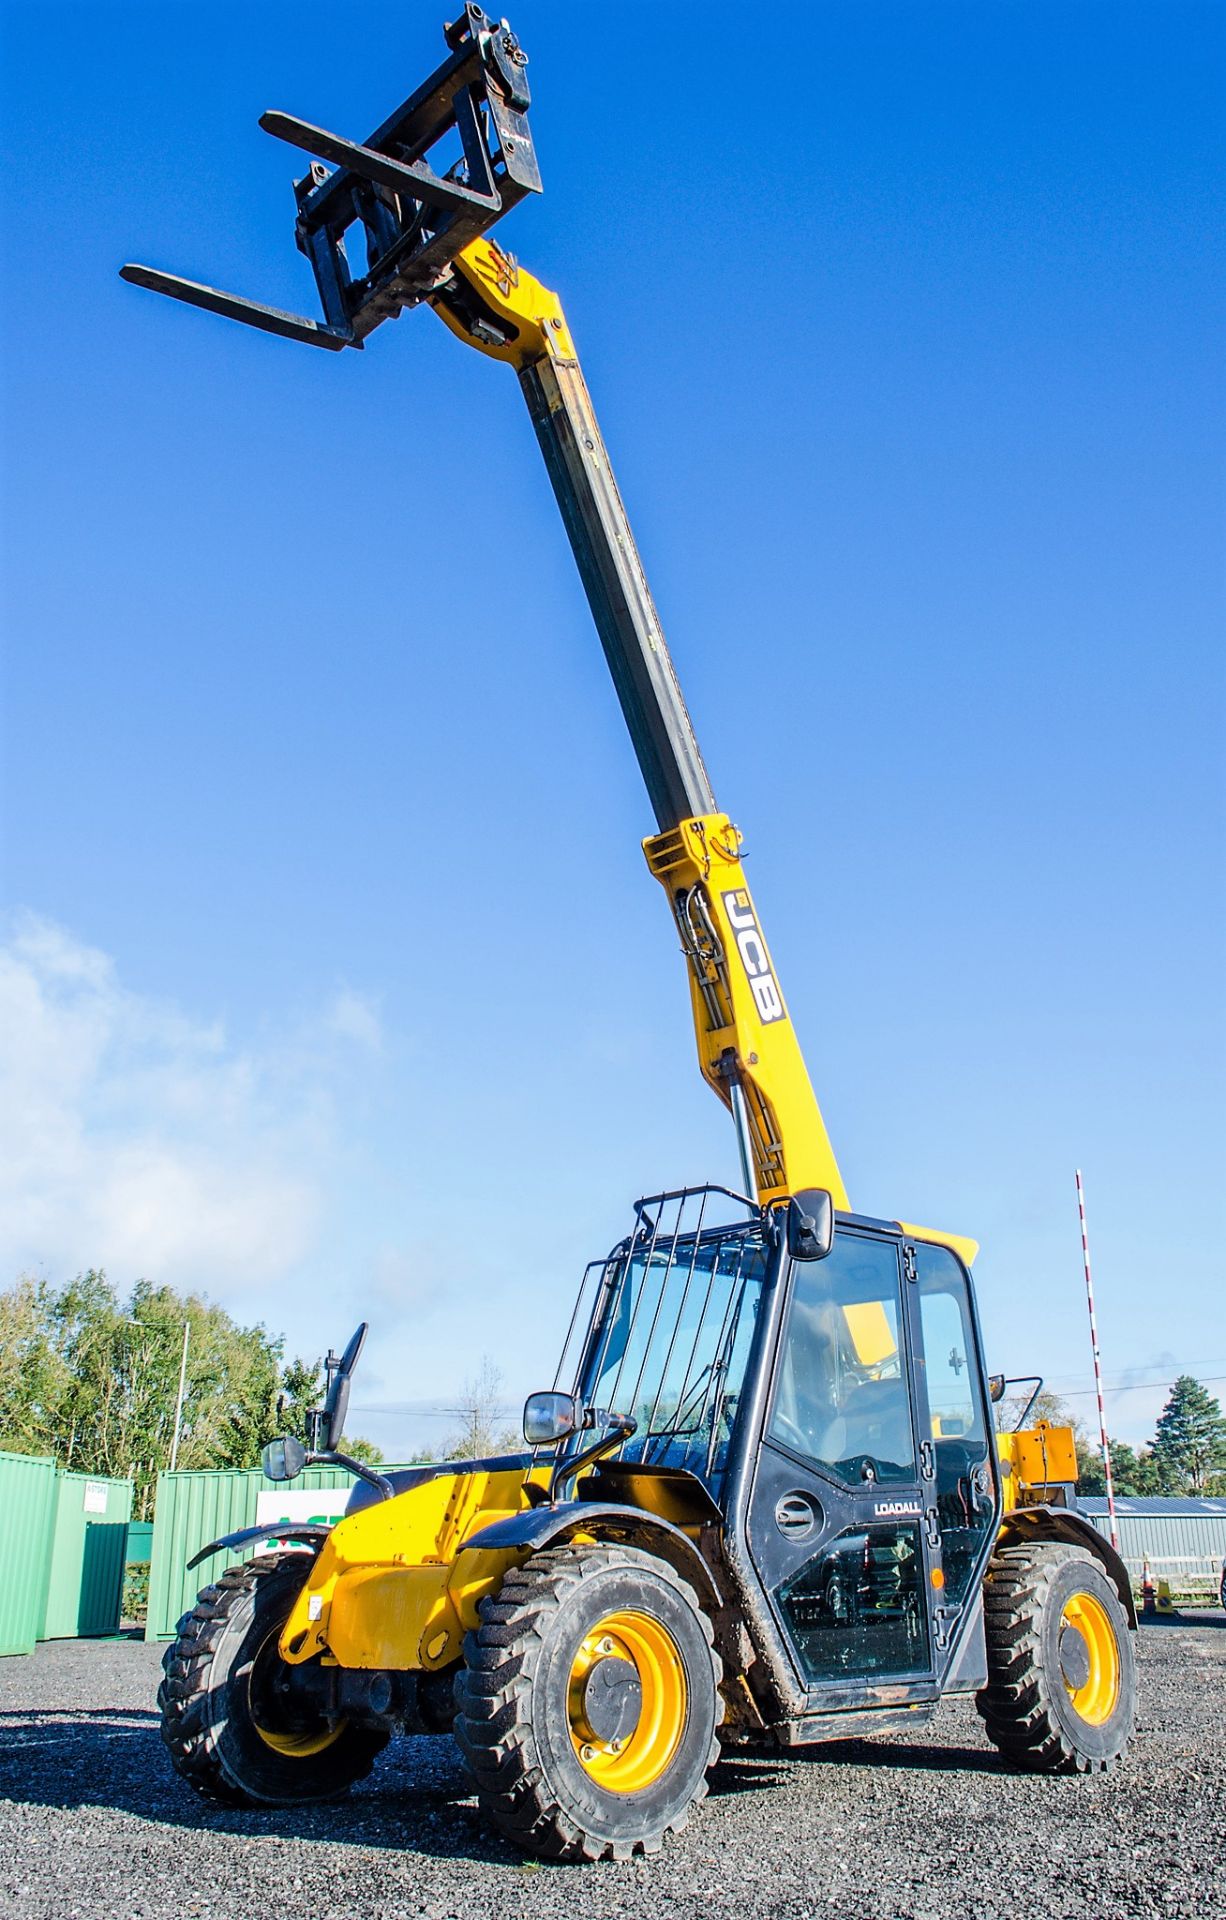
pixel 965 1456
pixel 841 1395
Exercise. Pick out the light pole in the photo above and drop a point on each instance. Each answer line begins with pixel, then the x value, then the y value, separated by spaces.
pixel 1103 1441
pixel 174 1445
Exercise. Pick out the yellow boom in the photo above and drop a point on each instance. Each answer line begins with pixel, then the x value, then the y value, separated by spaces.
pixel 747 1045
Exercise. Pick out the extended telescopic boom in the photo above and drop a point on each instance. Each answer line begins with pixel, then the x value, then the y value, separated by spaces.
pixel 426 243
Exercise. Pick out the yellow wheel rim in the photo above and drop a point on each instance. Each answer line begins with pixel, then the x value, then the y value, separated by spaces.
pixel 1094 1698
pixel 299 1745
pixel 643 1754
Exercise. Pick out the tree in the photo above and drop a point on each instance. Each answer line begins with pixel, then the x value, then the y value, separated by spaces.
pixel 1189 1449
pixel 93 1380
pixel 34 1376
pixel 1132 1471
pixel 482 1429
pixel 1057 1413
pixel 1047 1406
pixel 301 1389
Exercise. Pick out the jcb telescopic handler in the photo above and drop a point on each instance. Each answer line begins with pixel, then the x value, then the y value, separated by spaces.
pixel 764 1501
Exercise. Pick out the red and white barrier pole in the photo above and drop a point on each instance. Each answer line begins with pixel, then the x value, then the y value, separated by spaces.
pixel 1103 1441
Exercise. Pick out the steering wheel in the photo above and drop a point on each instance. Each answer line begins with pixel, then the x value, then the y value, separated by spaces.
pixel 792 1436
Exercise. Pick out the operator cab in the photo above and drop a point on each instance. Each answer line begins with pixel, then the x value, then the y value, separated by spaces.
pixel 830 1413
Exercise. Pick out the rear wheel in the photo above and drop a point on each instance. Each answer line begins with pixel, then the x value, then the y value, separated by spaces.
pixel 237 1727
pixel 1061 1692
pixel 588 1703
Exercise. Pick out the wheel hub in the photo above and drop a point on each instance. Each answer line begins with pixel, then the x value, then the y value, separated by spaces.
pixel 627 1700
pixel 612 1699
pixel 1074 1658
pixel 1089 1658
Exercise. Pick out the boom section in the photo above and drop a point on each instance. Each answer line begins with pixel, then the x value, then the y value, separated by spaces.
pixel 747 1046
pixel 498 308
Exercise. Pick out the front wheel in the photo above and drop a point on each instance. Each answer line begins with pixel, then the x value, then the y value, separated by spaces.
pixel 1062 1681
pixel 237 1728
pixel 588 1703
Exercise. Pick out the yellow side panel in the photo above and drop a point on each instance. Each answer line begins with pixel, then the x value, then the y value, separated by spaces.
pixel 391 1587
pixel 1036 1457
pixel 1008 1474
pixel 1043 1454
pixel 375 1613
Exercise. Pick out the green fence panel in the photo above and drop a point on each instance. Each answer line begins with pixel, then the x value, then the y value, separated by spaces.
pixel 27 1515
pixel 89 1539
pixel 193 1508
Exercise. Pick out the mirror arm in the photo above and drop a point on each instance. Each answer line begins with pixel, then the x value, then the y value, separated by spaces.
pixel 623 1427
pixel 1034 1380
pixel 333 1458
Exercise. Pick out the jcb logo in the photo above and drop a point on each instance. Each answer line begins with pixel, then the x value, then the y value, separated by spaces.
pixel 752 949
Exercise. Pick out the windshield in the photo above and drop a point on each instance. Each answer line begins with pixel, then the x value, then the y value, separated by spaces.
pixel 672 1343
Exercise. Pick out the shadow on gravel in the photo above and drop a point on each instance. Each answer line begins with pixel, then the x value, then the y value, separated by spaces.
pixel 753 1772
pixel 114 1757
pixel 746 1775
pixel 1163 1622
pixel 894 1754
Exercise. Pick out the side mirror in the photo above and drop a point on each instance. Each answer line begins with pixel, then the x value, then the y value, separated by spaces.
pixel 283 1459
pixel 550 1417
pixel 336 1406
pixel 810 1224
pixel 996 1387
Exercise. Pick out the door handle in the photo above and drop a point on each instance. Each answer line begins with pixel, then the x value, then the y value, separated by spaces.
pixel 797 1515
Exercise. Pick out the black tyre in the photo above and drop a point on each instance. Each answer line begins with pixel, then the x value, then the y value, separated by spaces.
pixel 233 1725
pixel 588 1703
pixel 1062 1682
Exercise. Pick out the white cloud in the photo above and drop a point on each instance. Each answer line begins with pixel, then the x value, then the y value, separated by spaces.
pixel 352 1016
pixel 137 1138
pixel 280 1172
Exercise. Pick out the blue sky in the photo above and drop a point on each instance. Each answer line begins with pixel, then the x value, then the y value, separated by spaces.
pixel 333 979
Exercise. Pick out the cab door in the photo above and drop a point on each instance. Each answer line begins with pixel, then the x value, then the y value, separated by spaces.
pixel 875 1502
pixel 842 1527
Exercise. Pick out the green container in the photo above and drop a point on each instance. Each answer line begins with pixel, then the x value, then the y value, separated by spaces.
pixel 27 1517
pixel 194 1508
pixel 88 1544
pixel 140 1543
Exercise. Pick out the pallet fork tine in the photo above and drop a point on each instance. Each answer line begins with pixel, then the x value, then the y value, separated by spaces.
pixel 290 326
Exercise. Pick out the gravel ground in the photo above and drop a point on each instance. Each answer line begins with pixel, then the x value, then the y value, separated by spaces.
pixel 95 1826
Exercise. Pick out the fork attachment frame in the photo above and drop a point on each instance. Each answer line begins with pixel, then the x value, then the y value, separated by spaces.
pixel 414 219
